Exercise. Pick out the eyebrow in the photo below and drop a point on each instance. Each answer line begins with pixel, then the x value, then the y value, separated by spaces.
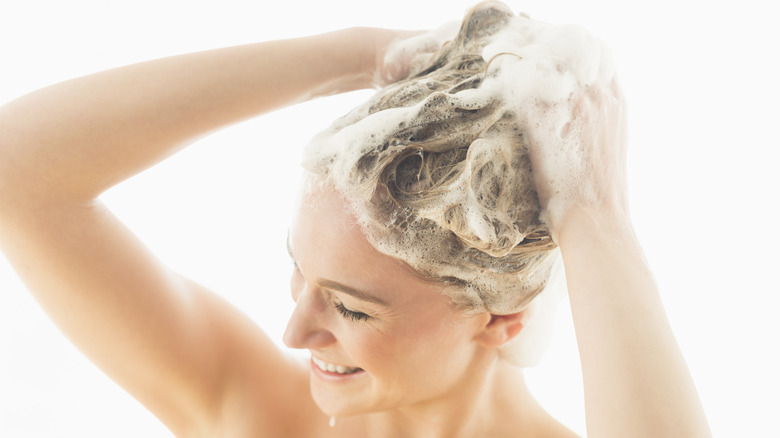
pixel 359 294
pixel 330 284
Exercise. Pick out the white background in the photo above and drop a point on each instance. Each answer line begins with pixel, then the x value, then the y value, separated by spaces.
pixel 701 81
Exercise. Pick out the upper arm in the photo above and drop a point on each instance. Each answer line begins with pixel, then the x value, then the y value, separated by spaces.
pixel 175 346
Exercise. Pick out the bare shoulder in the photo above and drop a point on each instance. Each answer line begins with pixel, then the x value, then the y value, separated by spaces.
pixel 264 390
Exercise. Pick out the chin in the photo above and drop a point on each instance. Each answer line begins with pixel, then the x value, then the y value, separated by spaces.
pixel 341 398
pixel 340 404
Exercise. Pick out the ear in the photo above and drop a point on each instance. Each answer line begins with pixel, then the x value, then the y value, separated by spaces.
pixel 500 329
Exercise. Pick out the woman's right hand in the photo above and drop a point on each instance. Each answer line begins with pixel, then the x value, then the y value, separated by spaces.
pixel 401 53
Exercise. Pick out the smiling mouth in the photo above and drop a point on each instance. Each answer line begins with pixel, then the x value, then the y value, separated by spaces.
pixel 331 368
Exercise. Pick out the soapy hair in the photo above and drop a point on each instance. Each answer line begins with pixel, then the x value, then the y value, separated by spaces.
pixel 440 177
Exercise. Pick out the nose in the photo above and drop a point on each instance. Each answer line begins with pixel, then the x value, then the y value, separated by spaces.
pixel 305 328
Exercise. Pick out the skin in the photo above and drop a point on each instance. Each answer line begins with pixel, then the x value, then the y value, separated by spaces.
pixel 206 370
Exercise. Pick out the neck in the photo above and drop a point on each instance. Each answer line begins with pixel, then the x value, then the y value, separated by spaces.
pixel 493 402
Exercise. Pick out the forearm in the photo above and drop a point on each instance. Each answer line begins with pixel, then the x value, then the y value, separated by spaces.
pixel 76 139
pixel 636 380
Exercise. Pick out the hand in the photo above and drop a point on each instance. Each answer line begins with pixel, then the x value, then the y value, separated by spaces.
pixel 578 153
pixel 400 54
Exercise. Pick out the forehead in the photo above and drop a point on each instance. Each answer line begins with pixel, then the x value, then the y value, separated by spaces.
pixel 324 224
pixel 323 221
pixel 328 243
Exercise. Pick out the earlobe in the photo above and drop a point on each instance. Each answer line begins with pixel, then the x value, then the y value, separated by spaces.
pixel 500 329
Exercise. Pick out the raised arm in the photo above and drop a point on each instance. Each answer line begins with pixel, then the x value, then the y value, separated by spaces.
pixel 178 348
pixel 636 381
pixel 82 136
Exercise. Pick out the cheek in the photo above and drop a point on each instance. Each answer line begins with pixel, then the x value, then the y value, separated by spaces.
pixel 365 344
pixel 409 345
pixel 425 360
pixel 440 340
pixel 442 344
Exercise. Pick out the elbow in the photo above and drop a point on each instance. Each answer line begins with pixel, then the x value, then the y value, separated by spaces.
pixel 20 177
pixel 43 159
pixel 10 126
pixel 7 171
pixel 11 176
pixel 11 188
pixel 26 164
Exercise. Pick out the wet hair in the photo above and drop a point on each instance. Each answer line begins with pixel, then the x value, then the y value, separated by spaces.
pixel 439 175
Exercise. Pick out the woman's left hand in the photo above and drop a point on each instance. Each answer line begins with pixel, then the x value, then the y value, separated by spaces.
pixel 582 163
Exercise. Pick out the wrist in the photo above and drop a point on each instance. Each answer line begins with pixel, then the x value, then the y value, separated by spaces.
pixel 345 61
pixel 364 42
pixel 581 225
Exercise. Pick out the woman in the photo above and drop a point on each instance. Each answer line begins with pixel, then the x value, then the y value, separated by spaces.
pixel 396 349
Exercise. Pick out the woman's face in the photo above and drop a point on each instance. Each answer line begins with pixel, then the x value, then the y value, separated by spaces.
pixel 394 339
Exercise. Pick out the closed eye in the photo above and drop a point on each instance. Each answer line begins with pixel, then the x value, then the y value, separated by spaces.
pixel 349 314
